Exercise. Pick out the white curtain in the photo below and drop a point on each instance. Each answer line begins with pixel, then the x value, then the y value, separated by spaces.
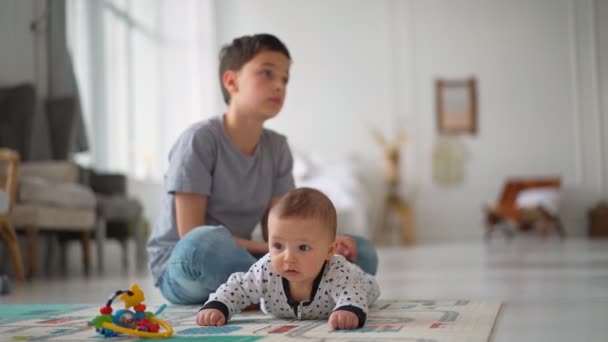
pixel 147 70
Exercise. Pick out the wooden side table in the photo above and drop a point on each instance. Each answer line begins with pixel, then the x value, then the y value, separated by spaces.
pixel 598 222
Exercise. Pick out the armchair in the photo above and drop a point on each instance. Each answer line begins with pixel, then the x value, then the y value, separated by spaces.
pixel 524 204
pixel 49 197
pixel 51 200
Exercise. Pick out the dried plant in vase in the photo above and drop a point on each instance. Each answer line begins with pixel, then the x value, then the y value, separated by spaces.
pixel 393 202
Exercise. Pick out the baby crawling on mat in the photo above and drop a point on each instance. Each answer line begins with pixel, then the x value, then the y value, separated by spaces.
pixel 300 277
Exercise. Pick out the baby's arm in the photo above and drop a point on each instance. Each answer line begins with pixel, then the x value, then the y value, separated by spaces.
pixel 241 290
pixel 210 317
pixel 229 299
pixel 342 319
pixel 353 294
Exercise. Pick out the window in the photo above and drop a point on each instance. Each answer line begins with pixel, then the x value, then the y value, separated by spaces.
pixel 146 70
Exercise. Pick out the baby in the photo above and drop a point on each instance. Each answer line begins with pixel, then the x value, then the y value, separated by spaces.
pixel 300 277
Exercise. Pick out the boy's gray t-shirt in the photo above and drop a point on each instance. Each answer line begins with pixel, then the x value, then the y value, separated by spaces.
pixel 238 187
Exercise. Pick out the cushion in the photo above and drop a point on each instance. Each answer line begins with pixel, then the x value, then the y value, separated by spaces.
pixel 303 166
pixel 52 171
pixel 548 198
pixel 44 217
pixel 118 208
pixel 342 182
pixel 36 190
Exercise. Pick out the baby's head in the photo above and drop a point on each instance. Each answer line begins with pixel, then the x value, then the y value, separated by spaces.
pixel 301 234
pixel 242 50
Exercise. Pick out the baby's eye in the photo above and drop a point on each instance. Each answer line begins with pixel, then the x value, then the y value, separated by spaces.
pixel 285 80
pixel 277 245
pixel 266 73
pixel 304 248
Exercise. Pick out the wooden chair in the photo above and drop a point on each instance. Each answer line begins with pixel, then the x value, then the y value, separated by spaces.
pixel 507 214
pixel 8 188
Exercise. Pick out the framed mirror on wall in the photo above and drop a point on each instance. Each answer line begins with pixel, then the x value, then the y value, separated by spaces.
pixel 456 106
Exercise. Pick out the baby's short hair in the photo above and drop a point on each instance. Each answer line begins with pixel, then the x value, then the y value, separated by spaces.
pixel 307 203
pixel 234 55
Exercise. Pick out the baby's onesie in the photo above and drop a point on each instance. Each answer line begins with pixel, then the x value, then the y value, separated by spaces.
pixel 340 285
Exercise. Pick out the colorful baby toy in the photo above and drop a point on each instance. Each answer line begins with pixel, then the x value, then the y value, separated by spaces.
pixel 140 323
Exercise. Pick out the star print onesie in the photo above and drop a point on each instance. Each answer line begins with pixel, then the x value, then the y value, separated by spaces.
pixel 340 285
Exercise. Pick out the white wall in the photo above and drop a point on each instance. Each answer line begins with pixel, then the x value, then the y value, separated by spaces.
pixel 342 67
pixel 361 63
pixel 23 56
pixel 535 112
pixel 601 19
pixel 17 56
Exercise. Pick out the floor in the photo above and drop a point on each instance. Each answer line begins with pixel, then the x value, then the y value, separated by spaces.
pixel 552 290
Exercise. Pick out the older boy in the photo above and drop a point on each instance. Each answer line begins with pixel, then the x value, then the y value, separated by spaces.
pixel 224 173
pixel 300 277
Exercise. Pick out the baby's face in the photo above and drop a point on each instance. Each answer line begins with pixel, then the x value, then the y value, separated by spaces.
pixel 298 247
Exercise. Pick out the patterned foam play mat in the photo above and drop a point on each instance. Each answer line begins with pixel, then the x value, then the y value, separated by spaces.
pixel 417 320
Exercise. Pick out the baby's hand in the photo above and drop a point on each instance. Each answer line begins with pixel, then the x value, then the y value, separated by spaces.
pixel 342 319
pixel 210 317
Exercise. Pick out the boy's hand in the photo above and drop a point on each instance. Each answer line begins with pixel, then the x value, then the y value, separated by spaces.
pixel 346 246
pixel 210 317
pixel 343 319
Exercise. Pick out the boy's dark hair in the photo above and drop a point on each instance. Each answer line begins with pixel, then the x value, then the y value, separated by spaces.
pixel 233 56
pixel 307 203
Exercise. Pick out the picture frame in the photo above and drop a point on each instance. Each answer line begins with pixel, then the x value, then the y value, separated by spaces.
pixel 456 106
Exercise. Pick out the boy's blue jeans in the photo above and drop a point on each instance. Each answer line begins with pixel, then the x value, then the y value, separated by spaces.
pixel 205 257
